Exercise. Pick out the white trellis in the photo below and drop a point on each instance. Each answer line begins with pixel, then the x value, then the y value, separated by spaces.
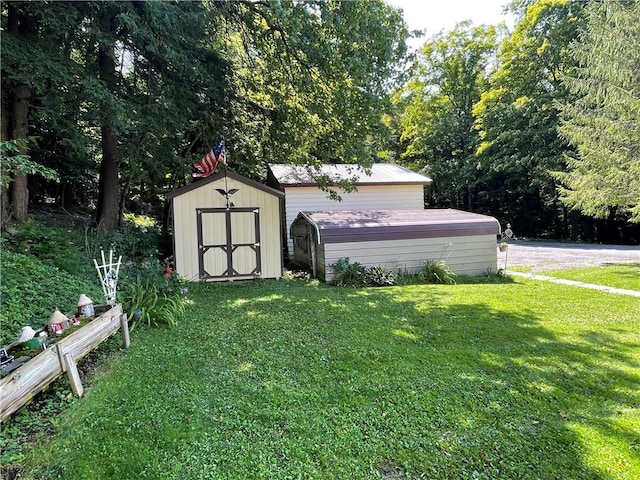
pixel 108 274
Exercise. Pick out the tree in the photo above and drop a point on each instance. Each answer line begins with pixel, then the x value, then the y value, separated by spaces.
pixel 517 119
pixel 603 123
pixel 437 104
pixel 125 96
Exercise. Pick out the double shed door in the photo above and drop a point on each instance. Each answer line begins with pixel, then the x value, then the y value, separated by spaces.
pixel 228 243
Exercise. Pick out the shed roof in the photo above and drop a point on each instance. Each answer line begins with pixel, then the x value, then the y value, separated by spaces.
pixel 379 174
pixel 371 225
pixel 218 176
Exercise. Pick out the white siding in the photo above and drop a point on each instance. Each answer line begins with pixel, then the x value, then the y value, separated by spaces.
pixel 376 197
pixel 466 255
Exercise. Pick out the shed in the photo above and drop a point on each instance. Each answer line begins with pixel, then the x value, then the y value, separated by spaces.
pixel 399 240
pixel 227 227
pixel 384 186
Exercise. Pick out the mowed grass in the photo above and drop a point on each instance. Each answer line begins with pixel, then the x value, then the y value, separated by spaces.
pixel 626 276
pixel 280 380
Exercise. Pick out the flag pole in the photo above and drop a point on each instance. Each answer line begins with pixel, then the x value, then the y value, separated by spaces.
pixel 226 188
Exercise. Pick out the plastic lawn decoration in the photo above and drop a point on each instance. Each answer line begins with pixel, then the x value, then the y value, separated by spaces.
pixel 108 273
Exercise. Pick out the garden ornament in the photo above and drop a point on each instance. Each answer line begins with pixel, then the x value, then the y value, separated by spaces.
pixel 58 322
pixel 26 334
pixel 85 306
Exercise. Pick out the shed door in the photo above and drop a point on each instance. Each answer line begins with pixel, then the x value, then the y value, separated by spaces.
pixel 228 242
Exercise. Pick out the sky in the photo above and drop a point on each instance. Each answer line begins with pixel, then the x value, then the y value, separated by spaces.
pixel 437 15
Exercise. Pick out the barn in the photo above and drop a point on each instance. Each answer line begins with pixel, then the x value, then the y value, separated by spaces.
pixel 399 240
pixel 384 186
pixel 227 227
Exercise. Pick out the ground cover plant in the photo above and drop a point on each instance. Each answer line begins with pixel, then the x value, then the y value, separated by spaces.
pixel 626 276
pixel 296 379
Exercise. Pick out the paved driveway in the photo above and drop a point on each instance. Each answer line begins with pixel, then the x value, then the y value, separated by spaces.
pixel 541 256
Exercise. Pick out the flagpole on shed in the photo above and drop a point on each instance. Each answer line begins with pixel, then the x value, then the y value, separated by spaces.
pixel 226 188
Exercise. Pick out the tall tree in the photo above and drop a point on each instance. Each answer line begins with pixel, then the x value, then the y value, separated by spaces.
pixel 437 119
pixel 517 118
pixel 603 123
pixel 20 23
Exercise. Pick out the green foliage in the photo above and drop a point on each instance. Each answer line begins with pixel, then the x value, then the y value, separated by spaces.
pixel 52 245
pixel 153 295
pixel 517 119
pixel 518 380
pixel 603 121
pixel 31 290
pixel 380 277
pixel 437 272
pixel 436 110
pixel 15 160
pixel 137 240
pixel 349 274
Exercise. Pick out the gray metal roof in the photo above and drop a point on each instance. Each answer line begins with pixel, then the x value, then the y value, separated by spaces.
pixel 379 174
pixel 370 225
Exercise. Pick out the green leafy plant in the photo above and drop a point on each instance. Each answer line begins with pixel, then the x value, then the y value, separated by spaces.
pixel 380 276
pixel 154 295
pixel 349 274
pixel 437 272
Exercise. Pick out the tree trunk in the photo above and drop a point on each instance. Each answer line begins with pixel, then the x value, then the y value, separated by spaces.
pixel 108 191
pixel 5 214
pixel 19 23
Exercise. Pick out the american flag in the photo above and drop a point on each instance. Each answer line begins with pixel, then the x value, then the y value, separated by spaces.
pixel 208 164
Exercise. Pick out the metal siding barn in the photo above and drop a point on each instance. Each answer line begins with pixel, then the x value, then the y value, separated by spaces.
pixel 399 240
pixel 214 243
pixel 385 186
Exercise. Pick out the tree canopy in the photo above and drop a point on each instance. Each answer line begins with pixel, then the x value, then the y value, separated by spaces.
pixel 124 96
pixel 108 104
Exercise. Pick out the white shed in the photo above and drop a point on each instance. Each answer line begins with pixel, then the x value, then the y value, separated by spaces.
pixel 384 186
pixel 399 240
pixel 227 227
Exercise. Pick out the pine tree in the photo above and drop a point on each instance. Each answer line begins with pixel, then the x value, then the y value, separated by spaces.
pixel 604 123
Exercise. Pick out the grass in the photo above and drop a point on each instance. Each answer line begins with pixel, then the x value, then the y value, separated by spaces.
pixel 294 379
pixel 626 276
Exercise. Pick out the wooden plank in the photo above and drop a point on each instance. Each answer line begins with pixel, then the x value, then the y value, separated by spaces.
pixel 124 329
pixel 74 375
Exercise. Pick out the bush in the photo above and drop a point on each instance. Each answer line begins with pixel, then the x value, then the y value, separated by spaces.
pixel 437 272
pixel 381 276
pixel 349 274
pixel 137 238
pixel 153 294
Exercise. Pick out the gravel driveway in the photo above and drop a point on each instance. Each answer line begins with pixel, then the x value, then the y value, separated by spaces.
pixel 545 256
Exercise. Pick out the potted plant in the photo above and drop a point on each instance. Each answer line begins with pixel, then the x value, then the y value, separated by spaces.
pixel 503 246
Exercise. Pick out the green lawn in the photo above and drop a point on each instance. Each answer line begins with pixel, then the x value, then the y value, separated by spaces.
pixel 625 276
pixel 279 380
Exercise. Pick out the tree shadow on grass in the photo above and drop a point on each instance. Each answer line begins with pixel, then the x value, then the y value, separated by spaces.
pixel 485 391
pixel 535 403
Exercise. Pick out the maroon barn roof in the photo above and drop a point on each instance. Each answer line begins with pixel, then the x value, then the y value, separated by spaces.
pixel 374 225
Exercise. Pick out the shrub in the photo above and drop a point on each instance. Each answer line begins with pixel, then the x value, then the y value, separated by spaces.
pixel 437 272
pixel 153 294
pixel 349 274
pixel 381 276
